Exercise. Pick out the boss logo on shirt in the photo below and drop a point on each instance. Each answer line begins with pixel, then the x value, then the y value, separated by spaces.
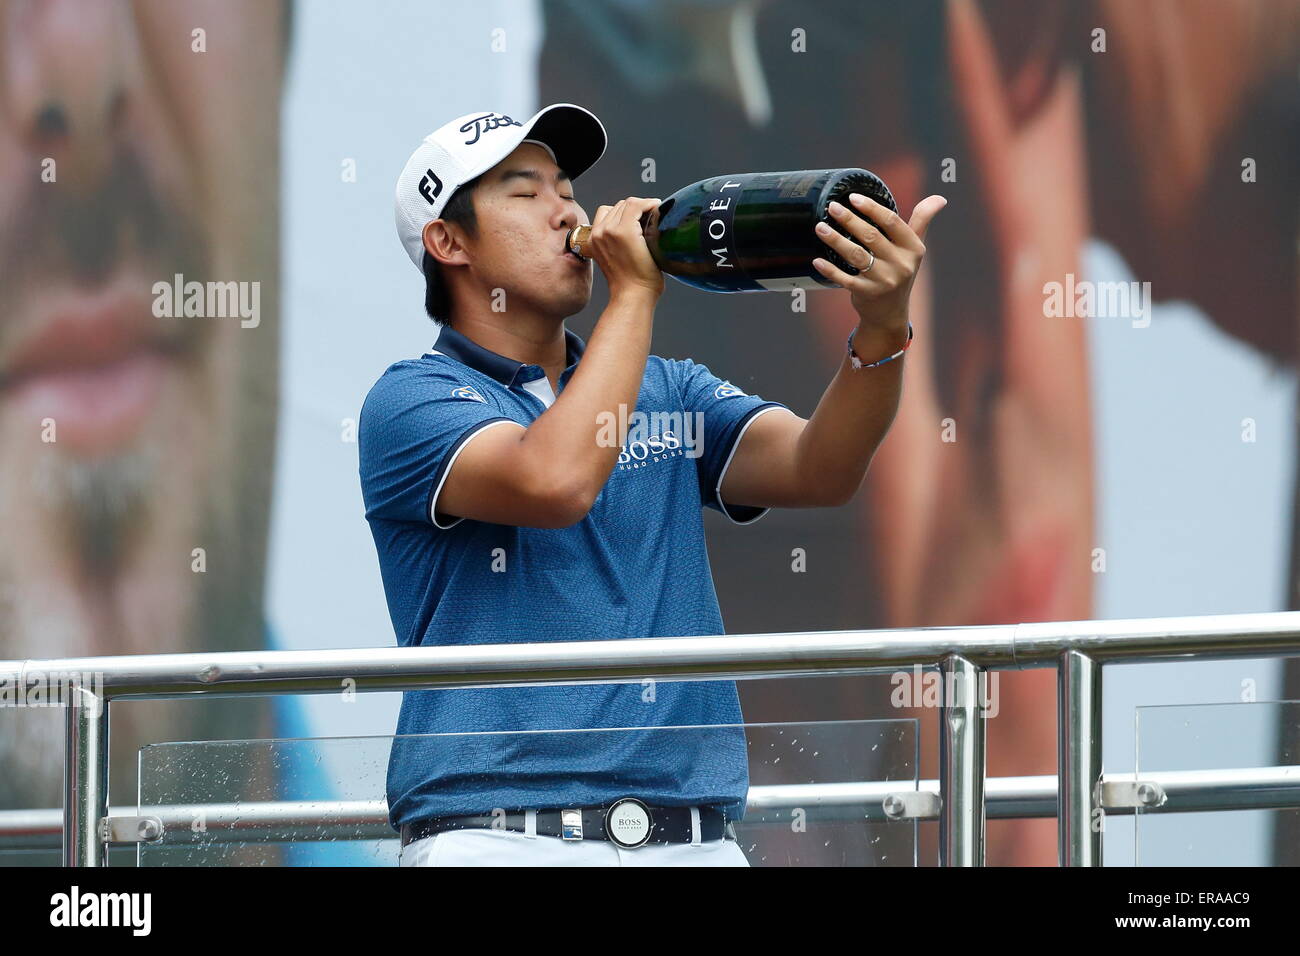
pixel 467 391
pixel 726 390
pixel 649 436
pixel 636 453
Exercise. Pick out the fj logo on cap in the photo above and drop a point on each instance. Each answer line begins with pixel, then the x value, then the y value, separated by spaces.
pixel 430 186
pixel 485 124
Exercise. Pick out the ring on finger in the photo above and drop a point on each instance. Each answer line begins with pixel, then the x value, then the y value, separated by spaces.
pixel 870 262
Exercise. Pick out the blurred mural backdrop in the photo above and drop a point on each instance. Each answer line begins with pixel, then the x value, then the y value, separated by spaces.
pixel 1099 415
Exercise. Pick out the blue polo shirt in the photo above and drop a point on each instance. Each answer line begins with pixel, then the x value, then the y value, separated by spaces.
pixel 635 566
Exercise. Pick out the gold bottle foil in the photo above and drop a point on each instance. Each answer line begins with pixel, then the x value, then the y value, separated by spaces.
pixel 578 237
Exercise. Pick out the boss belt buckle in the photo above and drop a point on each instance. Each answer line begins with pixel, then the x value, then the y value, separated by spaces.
pixel 628 823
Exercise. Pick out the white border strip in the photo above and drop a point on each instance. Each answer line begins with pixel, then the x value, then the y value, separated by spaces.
pixel 717 492
pixel 433 502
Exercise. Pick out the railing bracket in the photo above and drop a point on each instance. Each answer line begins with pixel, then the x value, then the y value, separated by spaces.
pixel 1138 794
pixel 131 829
pixel 912 805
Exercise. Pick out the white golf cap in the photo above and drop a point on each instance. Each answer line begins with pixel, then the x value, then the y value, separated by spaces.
pixel 472 144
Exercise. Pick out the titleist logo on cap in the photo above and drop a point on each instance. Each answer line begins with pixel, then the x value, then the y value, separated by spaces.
pixel 492 121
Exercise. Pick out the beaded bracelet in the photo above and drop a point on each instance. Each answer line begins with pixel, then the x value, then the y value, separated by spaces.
pixel 856 360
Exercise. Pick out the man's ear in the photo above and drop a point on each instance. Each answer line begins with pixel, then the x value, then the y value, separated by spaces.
pixel 443 243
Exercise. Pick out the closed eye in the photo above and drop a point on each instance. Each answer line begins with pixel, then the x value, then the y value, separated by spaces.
pixel 534 196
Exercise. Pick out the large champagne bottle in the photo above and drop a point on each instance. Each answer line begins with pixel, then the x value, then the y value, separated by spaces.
pixel 751 232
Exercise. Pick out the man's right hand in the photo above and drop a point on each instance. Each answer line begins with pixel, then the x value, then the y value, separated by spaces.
pixel 618 245
pixel 549 474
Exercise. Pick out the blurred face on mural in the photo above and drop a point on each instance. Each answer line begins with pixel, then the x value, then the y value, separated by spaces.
pixel 984 491
pixel 138 143
pixel 995 522
pixel 982 501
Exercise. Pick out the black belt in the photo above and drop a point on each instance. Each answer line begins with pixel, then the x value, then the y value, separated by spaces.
pixel 666 824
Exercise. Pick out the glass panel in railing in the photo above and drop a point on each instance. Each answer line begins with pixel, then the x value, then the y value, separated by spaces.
pixel 294 802
pixel 1224 785
pixel 817 792
pixel 792 794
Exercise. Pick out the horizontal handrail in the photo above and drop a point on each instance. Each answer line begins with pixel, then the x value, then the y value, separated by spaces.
pixel 1194 791
pixel 1010 646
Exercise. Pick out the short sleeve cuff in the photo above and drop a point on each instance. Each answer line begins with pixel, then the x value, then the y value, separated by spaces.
pixel 441 478
pixel 741 514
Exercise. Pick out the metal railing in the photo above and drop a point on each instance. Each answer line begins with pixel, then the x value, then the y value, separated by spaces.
pixel 1188 791
pixel 1077 649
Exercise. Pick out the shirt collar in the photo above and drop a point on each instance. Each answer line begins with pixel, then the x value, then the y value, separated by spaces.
pixel 505 370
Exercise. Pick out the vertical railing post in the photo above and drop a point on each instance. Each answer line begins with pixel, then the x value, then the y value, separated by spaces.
pixel 961 764
pixel 1078 701
pixel 85 778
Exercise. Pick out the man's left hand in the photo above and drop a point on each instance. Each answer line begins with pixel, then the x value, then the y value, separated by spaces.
pixel 880 294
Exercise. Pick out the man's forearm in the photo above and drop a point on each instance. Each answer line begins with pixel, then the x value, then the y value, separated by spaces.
pixel 854 413
pixel 610 374
pixel 850 421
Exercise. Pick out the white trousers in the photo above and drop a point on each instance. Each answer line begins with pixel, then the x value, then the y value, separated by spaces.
pixel 488 847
